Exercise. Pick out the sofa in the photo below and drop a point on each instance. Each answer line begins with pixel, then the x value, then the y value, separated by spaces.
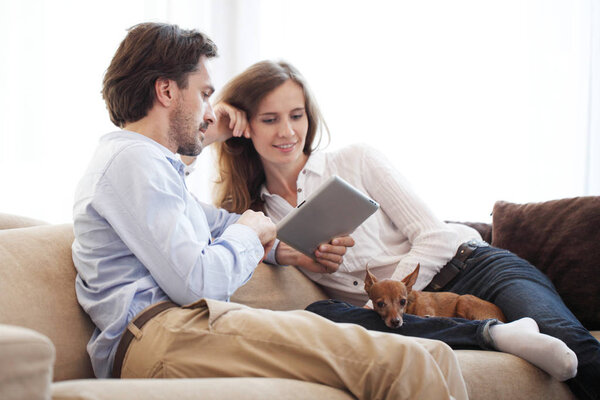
pixel 44 331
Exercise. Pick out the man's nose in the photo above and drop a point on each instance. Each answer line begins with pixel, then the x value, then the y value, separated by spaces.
pixel 209 115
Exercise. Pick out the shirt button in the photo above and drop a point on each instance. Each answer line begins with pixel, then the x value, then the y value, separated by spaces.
pixel 299 190
pixel 304 171
pixel 187 173
pixel 355 283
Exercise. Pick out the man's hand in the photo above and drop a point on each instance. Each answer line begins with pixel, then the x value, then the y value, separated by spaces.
pixel 328 256
pixel 262 225
pixel 230 122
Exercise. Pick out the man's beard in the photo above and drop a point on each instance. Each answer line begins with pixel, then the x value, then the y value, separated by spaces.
pixel 184 132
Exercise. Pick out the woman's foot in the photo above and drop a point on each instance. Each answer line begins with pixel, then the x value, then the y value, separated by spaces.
pixel 523 339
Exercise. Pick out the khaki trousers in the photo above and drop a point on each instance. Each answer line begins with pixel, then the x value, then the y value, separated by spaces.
pixel 217 339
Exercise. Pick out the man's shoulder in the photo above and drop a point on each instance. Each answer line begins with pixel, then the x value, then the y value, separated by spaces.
pixel 117 142
pixel 122 159
pixel 123 150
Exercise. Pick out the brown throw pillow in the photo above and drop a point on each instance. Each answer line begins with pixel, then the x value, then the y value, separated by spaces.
pixel 562 239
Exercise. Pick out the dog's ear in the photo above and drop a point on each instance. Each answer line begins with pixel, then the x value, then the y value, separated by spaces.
pixel 369 281
pixel 411 279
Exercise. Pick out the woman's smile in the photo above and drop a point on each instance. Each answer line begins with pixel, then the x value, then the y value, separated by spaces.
pixel 286 147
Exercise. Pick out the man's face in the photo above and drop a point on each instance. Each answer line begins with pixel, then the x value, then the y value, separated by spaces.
pixel 192 112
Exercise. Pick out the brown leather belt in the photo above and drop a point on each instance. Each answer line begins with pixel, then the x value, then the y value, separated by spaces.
pixel 454 266
pixel 139 321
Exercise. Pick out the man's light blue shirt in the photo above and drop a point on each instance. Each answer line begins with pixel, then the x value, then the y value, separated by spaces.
pixel 141 238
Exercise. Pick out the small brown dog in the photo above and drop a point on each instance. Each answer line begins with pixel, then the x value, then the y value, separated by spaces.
pixel 391 299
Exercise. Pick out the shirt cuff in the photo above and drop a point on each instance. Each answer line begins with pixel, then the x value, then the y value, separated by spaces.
pixel 270 258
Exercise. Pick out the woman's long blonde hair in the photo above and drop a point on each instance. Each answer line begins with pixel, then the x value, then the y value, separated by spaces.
pixel 241 173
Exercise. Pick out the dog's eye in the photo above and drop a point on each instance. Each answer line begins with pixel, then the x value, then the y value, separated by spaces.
pixel 403 302
pixel 380 304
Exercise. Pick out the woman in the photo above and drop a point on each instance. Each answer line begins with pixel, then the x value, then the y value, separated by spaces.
pixel 277 168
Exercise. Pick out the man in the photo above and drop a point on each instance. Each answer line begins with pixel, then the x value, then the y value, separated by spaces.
pixel 156 267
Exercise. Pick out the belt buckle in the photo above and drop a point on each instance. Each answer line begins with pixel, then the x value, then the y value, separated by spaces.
pixel 474 243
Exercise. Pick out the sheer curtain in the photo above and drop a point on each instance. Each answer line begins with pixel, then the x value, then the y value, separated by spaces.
pixel 593 157
pixel 473 101
pixel 54 54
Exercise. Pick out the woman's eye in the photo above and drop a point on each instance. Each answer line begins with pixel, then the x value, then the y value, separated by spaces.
pixel 268 120
pixel 297 116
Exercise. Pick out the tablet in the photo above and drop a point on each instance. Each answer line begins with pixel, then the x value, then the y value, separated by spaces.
pixel 336 208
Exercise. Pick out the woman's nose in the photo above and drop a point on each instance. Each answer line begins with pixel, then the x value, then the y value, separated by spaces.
pixel 287 130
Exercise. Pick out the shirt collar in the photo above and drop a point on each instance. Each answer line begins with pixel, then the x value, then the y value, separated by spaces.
pixel 316 163
pixel 264 192
pixel 172 157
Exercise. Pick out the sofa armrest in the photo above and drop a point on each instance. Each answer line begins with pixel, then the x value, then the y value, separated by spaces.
pixel 26 359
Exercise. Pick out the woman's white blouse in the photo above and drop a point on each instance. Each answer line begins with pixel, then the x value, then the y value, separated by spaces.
pixel 402 233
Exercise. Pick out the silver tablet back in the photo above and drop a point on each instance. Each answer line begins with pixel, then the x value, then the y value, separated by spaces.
pixel 335 209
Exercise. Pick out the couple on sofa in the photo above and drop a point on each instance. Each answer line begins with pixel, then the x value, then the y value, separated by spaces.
pixel 156 267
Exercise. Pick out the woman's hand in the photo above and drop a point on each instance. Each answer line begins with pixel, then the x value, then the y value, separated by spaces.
pixel 231 122
pixel 329 256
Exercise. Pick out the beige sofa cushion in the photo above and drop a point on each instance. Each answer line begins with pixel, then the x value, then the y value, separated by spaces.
pixel 192 389
pixel 37 291
pixel 278 288
pixel 25 365
pixel 502 376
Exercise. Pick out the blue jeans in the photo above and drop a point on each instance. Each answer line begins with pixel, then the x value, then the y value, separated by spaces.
pixel 514 285
pixel 458 333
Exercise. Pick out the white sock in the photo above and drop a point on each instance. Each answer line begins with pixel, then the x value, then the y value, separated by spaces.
pixel 523 339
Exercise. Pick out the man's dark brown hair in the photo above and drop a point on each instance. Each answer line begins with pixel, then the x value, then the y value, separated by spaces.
pixel 150 51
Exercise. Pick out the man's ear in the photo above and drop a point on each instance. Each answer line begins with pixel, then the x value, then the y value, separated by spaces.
pixel 165 90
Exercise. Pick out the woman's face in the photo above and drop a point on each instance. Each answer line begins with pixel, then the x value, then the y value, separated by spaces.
pixel 280 125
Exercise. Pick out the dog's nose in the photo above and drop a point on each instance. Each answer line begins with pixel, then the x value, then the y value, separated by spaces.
pixel 396 322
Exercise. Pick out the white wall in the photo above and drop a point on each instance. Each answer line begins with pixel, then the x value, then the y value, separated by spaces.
pixel 474 101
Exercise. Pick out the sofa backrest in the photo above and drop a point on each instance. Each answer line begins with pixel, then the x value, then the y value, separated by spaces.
pixel 37 291
pixel 278 288
pixel 11 221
